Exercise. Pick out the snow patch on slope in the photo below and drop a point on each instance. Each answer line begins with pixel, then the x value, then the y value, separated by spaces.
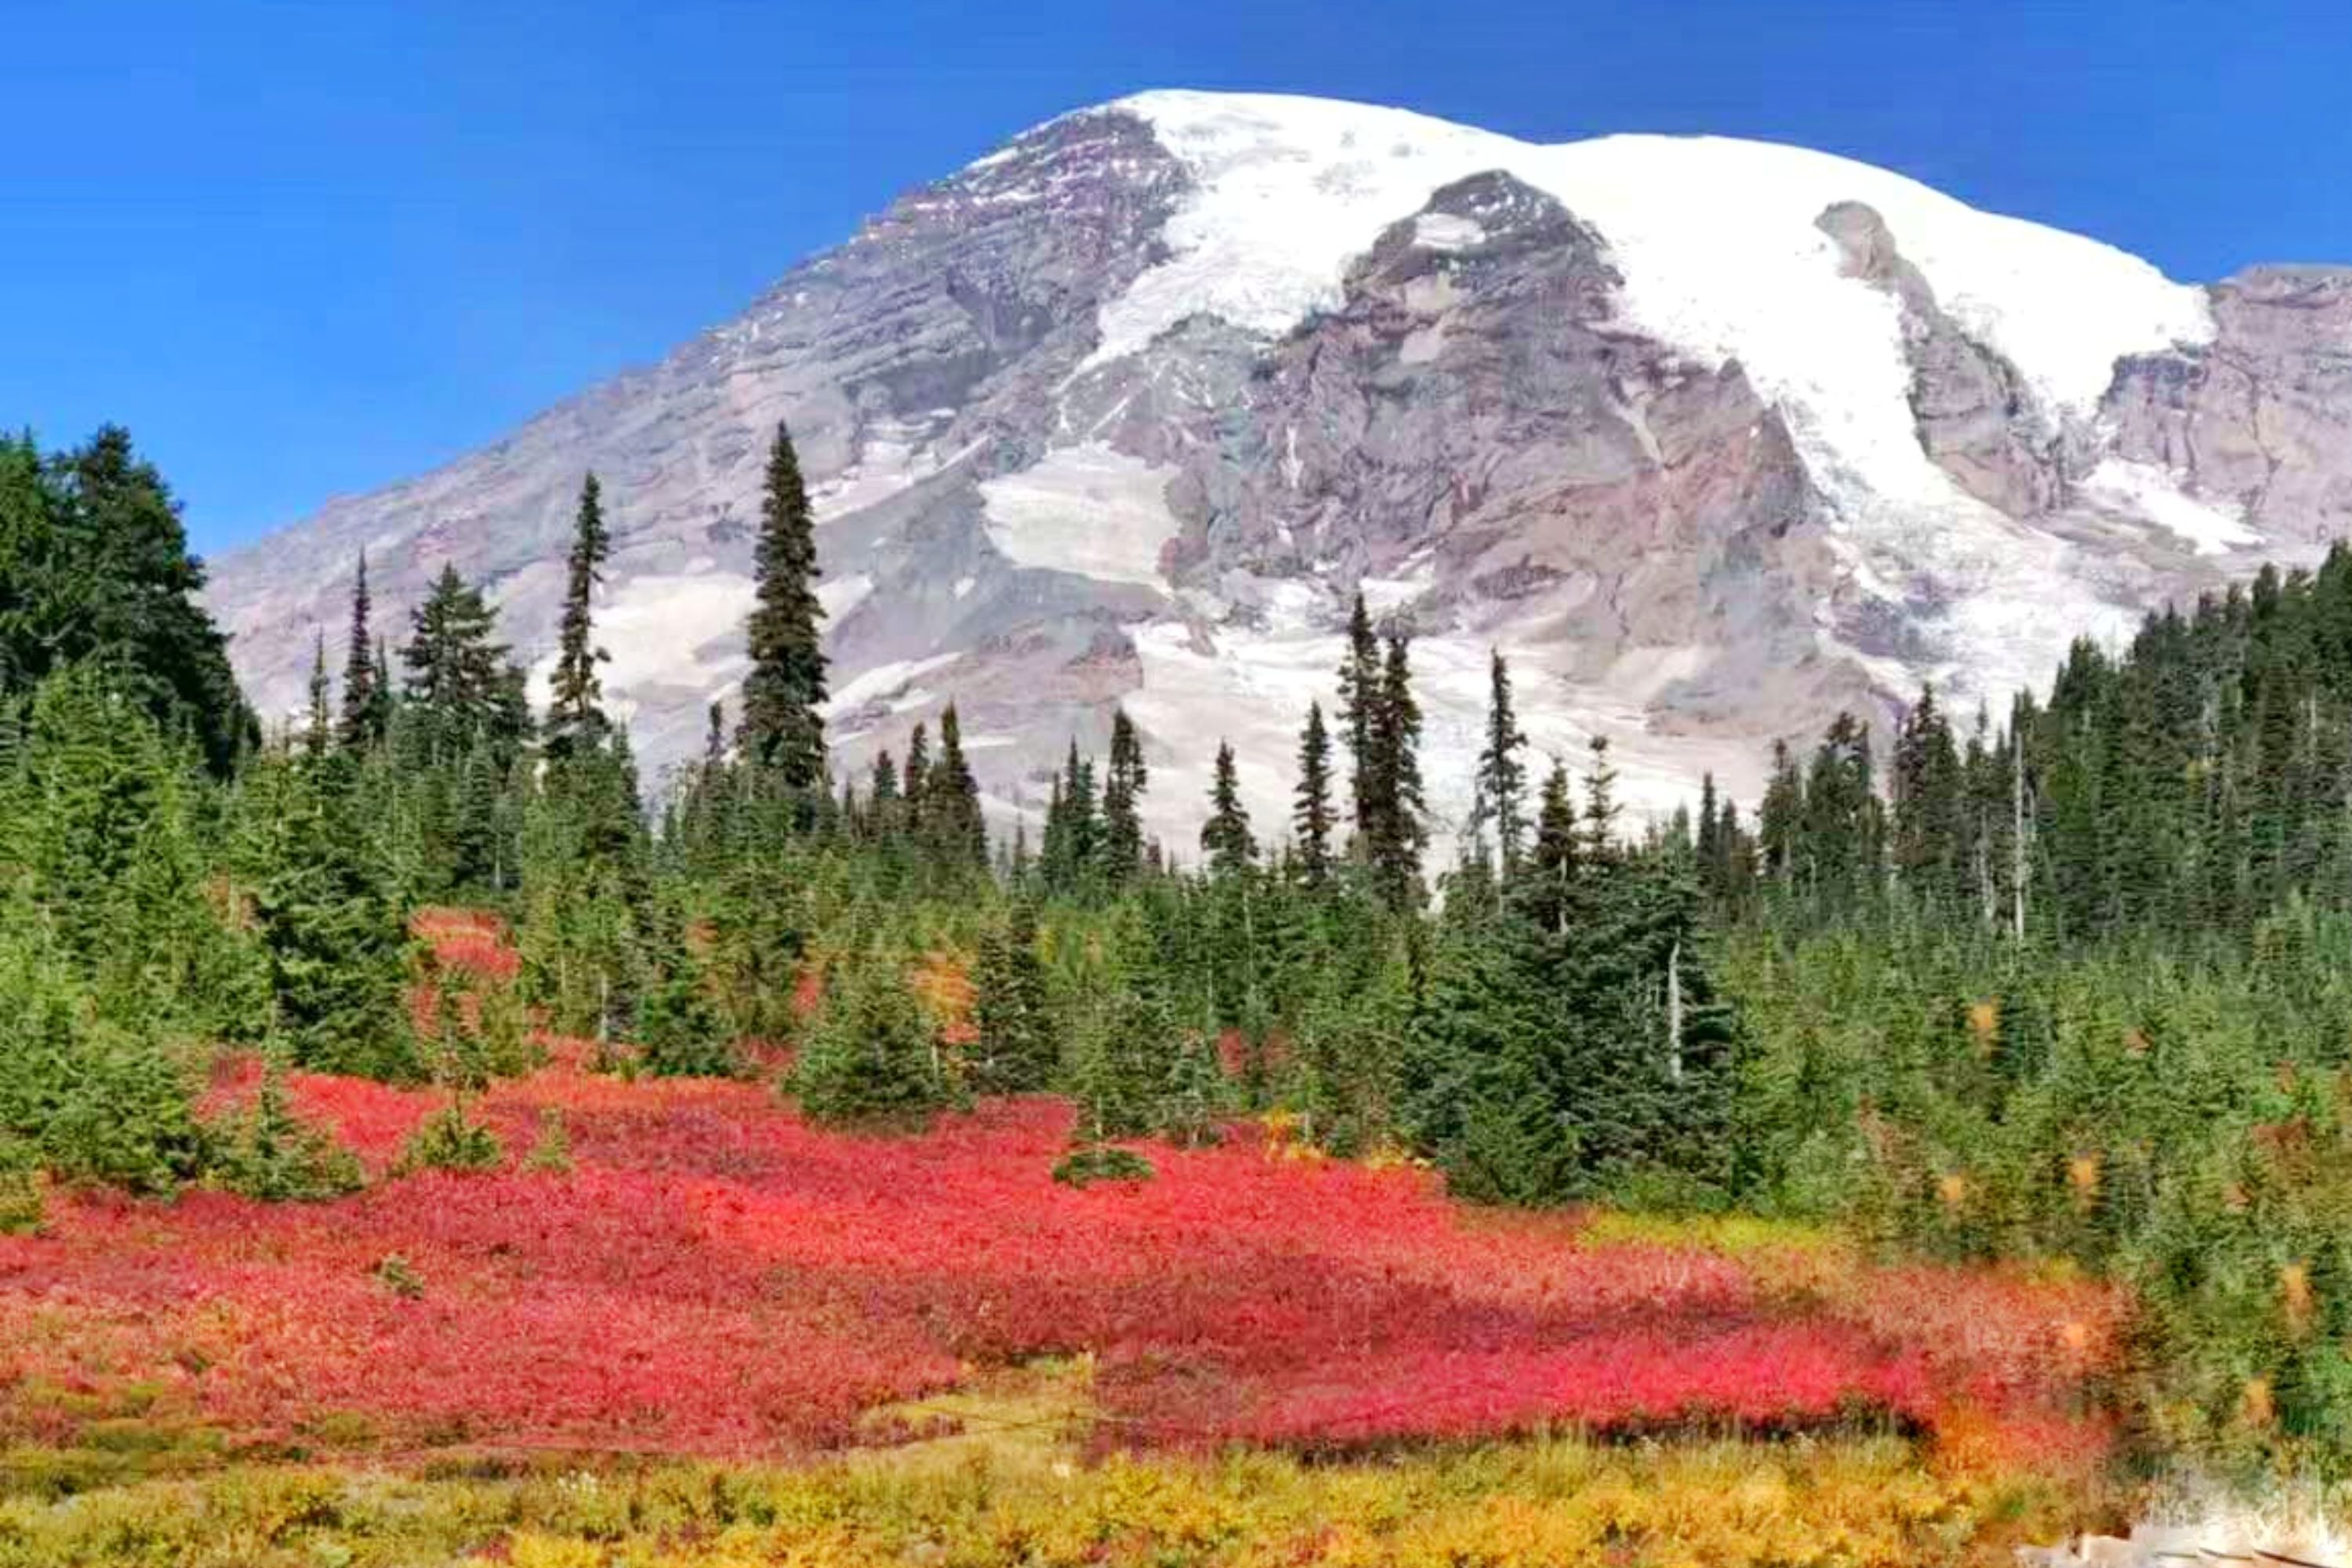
pixel 1716 238
pixel 1252 686
pixel 1085 509
pixel 659 632
pixel 1721 257
pixel 889 685
pixel 2148 491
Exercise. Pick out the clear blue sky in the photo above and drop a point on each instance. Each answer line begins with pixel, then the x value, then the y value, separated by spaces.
pixel 308 248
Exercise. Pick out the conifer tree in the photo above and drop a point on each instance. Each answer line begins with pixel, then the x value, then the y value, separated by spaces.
pixel 1393 827
pixel 576 713
pixel 1501 793
pixel 1927 805
pixel 1123 786
pixel 462 690
pixel 1548 883
pixel 915 785
pixel 1225 838
pixel 365 714
pixel 332 921
pixel 873 1058
pixel 115 583
pixel 319 729
pixel 1013 1053
pixel 1311 815
pixel 1599 846
pixel 1359 705
pixel 782 730
pixel 951 815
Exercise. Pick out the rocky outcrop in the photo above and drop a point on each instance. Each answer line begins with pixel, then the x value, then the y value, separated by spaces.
pixel 2260 419
pixel 1969 403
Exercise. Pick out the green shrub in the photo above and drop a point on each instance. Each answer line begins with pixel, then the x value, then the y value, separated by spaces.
pixel 395 1274
pixel 23 1188
pixel 449 1140
pixel 1102 1163
pixel 550 1152
pixel 873 1058
pixel 270 1154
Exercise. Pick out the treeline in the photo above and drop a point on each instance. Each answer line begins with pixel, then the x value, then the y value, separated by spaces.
pixel 2078 988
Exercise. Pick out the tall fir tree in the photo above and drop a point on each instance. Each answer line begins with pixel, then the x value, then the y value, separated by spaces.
pixel 1360 706
pixel 462 689
pixel 1311 811
pixel 782 728
pixel 575 709
pixel 1123 786
pixel 366 712
pixel 1500 797
pixel 1225 838
pixel 952 824
pixel 1394 828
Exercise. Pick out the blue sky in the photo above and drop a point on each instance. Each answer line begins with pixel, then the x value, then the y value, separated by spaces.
pixel 307 249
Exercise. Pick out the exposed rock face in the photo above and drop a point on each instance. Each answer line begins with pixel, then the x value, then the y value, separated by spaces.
pixel 1972 410
pixel 2260 419
pixel 1714 438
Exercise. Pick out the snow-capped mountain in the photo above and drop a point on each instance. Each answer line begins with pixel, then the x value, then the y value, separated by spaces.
pixel 1712 437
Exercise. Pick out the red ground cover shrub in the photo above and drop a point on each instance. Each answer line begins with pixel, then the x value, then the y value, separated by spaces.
pixel 716 1276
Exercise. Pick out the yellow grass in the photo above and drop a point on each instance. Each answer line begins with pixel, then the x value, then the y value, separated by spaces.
pixel 997 1475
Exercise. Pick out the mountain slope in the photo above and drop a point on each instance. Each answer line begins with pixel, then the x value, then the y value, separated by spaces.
pixel 1713 437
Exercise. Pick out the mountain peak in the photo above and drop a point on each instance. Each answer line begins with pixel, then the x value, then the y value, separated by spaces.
pixel 1713 436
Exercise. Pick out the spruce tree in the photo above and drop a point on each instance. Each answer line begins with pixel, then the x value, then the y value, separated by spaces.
pixel 318 730
pixel 1500 796
pixel 951 815
pixel 576 713
pixel 873 1058
pixel 782 728
pixel 365 714
pixel 1013 1053
pixel 1311 816
pixel 1123 787
pixel 1394 830
pixel 462 690
pixel 1225 837
pixel 118 585
pixel 1359 705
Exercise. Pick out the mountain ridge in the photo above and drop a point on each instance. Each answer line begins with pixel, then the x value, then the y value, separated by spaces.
pixel 1125 410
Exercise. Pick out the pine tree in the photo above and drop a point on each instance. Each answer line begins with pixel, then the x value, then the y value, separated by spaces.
pixel 1927 782
pixel 1225 838
pixel 782 728
pixel 366 704
pixel 678 1024
pixel 1501 792
pixel 320 728
pixel 1548 884
pixel 113 581
pixel 951 815
pixel 1311 815
pixel 915 784
pixel 1013 1053
pixel 462 690
pixel 576 713
pixel 873 1058
pixel 332 923
pixel 1600 847
pixel 1359 705
pixel 1393 827
pixel 1123 787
